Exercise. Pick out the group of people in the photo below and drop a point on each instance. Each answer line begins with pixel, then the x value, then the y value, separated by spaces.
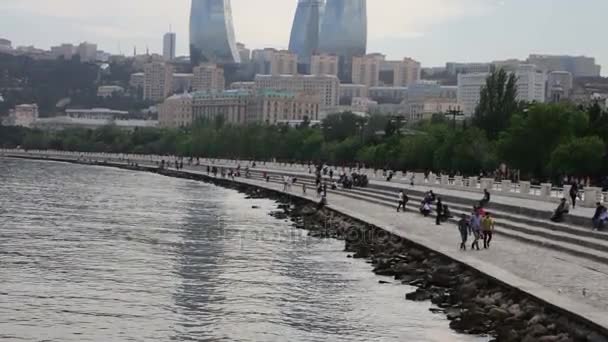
pixel 480 225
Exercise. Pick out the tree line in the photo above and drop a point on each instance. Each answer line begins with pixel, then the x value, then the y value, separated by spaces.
pixel 543 141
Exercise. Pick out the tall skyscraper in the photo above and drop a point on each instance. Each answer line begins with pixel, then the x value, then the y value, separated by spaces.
pixel 344 32
pixel 212 33
pixel 304 40
pixel 169 46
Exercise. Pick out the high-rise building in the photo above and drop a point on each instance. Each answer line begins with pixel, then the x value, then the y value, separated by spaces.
pixel 344 32
pixel 87 52
pixel 325 86
pixel 578 66
pixel 212 33
pixel 169 41
pixel 467 68
pixel 176 111
pixel 158 81
pixel 304 41
pixel 366 70
pixel 400 73
pixel 531 86
pixel 208 77
pixel 244 53
pixel 66 51
pixel 324 65
pixel 274 62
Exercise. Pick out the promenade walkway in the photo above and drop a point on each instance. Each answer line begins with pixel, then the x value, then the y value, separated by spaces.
pixel 578 285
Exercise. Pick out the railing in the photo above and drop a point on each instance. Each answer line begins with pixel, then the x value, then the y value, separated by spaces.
pixel 522 189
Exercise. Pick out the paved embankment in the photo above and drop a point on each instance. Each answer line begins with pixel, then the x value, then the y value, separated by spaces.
pixel 575 284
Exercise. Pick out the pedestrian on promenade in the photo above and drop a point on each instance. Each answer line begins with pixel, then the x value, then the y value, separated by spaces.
pixel 304 188
pixel 476 228
pixel 331 174
pixel 325 189
pixel 319 190
pixel 573 194
pixel 285 183
pixel 439 210
pixel 600 217
pixel 486 198
pixel 463 228
pixel 562 209
pixel 425 209
pixel 403 199
pixel 488 229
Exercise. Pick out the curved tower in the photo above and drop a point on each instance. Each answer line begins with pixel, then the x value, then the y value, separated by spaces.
pixel 304 39
pixel 344 32
pixel 212 33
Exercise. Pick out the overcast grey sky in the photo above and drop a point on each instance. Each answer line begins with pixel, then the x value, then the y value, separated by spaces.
pixel 432 31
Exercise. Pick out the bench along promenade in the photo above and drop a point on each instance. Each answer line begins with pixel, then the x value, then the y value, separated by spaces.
pixel 563 264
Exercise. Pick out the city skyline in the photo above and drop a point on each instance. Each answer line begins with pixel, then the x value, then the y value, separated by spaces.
pixel 432 31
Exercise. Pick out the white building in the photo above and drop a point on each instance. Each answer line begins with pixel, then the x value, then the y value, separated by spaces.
pixel 467 68
pixel 366 70
pixel 578 66
pixel 87 52
pixel 25 115
pixel 208 77
pixel 275 62
pixel 244 52
pixel 66 51
pixel 169 41
pixel 559 86
pixel 109 90
pixel 325 86
pixel 96 114
pixel 400 73
pixel 324 64
pixel 176 111
pixel 158 81
pixel 531 86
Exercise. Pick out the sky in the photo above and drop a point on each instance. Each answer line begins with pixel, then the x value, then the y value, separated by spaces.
pixel 431 31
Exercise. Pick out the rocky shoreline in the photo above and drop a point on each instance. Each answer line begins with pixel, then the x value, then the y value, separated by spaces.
pixel 472 302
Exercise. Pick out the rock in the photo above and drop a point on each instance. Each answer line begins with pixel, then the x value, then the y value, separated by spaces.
pixel 416 254
pixel 498 314
pixel 349 256
pixel 419 295
pixel 595 337
pixel 537 330
pixel 255 207
pixel 550 338
pixel 440 279
pixel 515 310
pixel 539 318
pixel 484 301
pixel 405 278
pixel 452 314
pixel 436 310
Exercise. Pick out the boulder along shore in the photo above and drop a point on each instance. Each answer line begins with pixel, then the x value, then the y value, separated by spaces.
pixel 473 302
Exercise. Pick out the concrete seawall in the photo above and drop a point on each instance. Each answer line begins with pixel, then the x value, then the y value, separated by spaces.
pixel 592 317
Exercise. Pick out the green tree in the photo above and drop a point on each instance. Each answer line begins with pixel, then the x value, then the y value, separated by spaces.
pixel 497 103
pixel 580 156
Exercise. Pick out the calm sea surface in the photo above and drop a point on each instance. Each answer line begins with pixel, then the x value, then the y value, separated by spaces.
pixel 100 254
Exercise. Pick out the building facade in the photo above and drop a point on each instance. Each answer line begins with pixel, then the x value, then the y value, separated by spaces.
pixel 182 82
pixel 158 81
pixel 348 92
pixel 244 53
pixel 25 115
pixel 304 40
pixel 87 52
pixel 212 36
pixel 578 66
pixel 110 90
pixel 232 106
pixel 176 111
pixel 366 70
pixel 66 51
pixel 169 44
pixel 454 69
pixel 274 62
pixel 208 77
pixel 272 107
pixel 324 65
pixel 559 86
pixel 344 33
pixel 400 73
pixel 326 86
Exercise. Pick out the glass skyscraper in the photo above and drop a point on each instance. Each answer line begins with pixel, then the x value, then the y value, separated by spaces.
pixel 344 32
pixel 305 31
pixel 212 33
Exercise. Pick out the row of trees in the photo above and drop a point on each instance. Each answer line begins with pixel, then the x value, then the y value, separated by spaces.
pixel 541 140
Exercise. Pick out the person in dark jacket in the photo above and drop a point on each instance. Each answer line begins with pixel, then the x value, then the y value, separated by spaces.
pixel 573 194
pixel 486 198
pixel 600 217
pixel 463 228
pixel 439 212
pixel 562 209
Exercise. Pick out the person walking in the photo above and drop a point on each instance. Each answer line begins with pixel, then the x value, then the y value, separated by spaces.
pixel 488 229
pixel 304 188
pixel 463 228
pixel 403 199
pixel 476 228
pixel 573 194
pixel 439 210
